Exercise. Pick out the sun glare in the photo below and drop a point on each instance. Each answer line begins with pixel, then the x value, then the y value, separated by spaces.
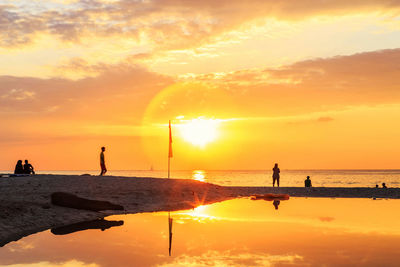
pixel 199 131
pixel 199 175
pixel 200 213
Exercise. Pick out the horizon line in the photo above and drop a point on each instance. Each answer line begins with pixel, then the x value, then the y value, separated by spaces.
pixel 198 169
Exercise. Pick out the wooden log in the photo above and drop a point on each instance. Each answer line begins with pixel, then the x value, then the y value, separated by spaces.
pixel 71 201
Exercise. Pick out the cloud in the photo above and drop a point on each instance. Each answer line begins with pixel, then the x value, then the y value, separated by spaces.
pixel 216 258
pixel 326 219
pixel 314 85
pixel 119 88
pixel 170 24
pixel 18 95
pixel 16 27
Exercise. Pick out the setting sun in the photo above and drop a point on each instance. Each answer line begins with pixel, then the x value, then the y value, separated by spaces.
pixel 200 131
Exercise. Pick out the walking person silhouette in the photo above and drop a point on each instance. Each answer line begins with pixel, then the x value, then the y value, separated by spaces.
pixel 102 162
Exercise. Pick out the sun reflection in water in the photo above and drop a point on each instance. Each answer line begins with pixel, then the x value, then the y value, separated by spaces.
pixel 199 175
pixel 199 214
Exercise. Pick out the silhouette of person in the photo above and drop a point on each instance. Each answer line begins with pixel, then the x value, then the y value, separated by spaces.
pixel 307 182
pixel 384 185
pixel 276 203
pixel 376 186
pixel 28 168
pixel 275 175
pixel 19 169
pixel 102 162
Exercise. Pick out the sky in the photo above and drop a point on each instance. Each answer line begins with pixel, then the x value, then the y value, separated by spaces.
pixel 308 84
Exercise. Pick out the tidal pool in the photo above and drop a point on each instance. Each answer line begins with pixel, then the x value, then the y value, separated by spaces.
pixel 239 232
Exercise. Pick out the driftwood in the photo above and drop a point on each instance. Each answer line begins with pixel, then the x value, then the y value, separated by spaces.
pixel 81 226
pixel 71 201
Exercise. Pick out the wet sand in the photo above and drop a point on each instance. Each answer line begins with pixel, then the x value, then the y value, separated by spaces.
pixel 25 206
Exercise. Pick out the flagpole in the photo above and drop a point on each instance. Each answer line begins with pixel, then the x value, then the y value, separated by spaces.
pixel 169 148
pixel 169 160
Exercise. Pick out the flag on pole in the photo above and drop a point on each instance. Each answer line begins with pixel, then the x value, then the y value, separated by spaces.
pixel 170 141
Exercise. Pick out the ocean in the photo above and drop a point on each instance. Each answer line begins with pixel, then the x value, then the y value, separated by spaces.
pixel 325 178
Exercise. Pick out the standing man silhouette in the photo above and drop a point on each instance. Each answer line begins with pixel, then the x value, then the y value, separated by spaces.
pixel 275 175
pixel 307 182
pixel 102 162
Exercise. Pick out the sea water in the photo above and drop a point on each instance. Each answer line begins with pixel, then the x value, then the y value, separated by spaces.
pixel 326 178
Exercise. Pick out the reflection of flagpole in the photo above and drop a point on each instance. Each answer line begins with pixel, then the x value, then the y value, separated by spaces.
pixel 170 232
pixel 169 169
pixel 170 149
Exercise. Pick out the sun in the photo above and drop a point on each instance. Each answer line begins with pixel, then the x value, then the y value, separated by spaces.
pixel 199 131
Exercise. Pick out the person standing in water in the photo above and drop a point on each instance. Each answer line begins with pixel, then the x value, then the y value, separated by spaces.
pixel 275 175
pixel 102 162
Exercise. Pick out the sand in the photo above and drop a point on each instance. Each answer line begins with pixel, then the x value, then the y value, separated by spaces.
pixel 25 206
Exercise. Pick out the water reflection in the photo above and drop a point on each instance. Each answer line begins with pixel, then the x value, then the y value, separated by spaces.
pixel 199 175
pixel 276 203
pixel 275 198
pixel 238 232
pixel 100 224
pixel 170 221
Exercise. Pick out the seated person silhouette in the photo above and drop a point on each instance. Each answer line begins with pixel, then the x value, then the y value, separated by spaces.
pixel 19 169
pixel 307 182
pixel 28 168
pixel 384 185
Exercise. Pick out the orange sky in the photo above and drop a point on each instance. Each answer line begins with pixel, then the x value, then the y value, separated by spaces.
pixel 307 84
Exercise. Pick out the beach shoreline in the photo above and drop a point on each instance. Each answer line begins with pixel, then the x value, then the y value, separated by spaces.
pixel 26 207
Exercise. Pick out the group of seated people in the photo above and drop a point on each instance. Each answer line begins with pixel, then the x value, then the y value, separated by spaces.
pixel 26 168
pixel 383 185
pixel 307 183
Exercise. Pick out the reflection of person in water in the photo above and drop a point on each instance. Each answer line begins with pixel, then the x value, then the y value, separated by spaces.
pixel 276 203
pixel 100 224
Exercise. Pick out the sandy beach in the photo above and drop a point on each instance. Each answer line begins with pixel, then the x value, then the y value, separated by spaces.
pixel 26 207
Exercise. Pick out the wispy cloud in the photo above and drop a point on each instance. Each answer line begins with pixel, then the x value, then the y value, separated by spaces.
pixel 170 24
pixel 314 85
